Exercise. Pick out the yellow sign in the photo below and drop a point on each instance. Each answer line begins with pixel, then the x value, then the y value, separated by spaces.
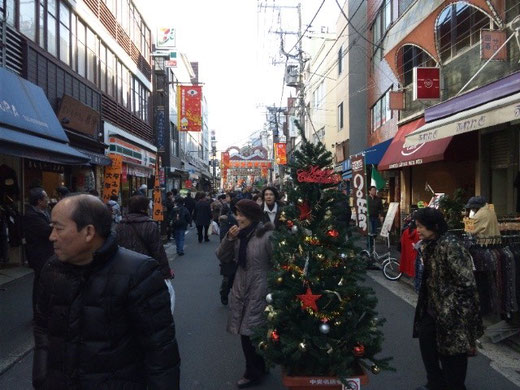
pixel 112 177
pixel 157 198
pixel 469 225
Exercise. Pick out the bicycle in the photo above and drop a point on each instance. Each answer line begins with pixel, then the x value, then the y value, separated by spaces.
pixel 388 264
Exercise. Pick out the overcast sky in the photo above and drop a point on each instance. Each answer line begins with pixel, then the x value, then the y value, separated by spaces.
pixel 231 41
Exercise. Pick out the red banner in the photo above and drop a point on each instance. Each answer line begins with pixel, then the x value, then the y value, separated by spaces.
pixel 359 191
pixel 280 153
pixel 157 198
pixel 427 83
pixel 189 102
pixel 225 159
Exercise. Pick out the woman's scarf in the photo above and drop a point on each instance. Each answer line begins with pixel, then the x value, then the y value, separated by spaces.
pixel 244 235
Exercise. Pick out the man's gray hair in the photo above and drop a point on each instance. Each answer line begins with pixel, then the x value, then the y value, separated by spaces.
pixel 90 210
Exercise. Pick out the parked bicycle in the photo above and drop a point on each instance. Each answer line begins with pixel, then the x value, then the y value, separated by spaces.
pixel 384 261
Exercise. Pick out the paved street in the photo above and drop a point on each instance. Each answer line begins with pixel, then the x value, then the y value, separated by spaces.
pixel 212 359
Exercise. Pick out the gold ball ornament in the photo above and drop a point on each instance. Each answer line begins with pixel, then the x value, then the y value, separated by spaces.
pixel 300 201
pixel 320 256
pixel 375 369
pixel 279 280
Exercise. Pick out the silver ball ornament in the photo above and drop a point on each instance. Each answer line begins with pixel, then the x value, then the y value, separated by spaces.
pixel 325 328
pixel 269 298
pixel 294 229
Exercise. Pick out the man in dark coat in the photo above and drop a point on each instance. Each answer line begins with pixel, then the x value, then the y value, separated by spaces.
pixel 103 319
pixel 37 229
pixel 180 220
pixel 202 216
pixel 189 203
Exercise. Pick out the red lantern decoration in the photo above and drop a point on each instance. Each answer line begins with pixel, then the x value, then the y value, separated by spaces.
pixel 359 350
pixel 333 233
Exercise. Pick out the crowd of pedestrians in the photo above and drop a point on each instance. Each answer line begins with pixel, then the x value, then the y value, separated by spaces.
pixel 103 298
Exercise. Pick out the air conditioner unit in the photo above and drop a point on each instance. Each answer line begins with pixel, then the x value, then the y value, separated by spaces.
pixel 292 76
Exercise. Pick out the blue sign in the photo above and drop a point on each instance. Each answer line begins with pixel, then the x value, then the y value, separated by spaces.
pixel 160 129
pixel 347 165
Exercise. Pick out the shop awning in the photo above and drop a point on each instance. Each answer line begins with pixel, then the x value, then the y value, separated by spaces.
pixel 398 155
pixel 374 154
pixel 96 158
pixel 28 125
pixel 15 143
pixel 490 114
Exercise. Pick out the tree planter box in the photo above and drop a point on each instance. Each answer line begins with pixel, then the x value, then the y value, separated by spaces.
pixel 324 382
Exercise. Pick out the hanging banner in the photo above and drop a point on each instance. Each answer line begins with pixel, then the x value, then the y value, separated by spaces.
pixel 359 182
pixel 490 42
pixel 225 159
pixel 280 153
pixel 112 177
pixel 157 198
pixel 189 101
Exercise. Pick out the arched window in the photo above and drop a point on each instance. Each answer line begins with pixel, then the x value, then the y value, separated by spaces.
pixel 408 57
pixel 458 28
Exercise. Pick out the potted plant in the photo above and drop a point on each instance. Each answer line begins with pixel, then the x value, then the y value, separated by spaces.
pixel 321 325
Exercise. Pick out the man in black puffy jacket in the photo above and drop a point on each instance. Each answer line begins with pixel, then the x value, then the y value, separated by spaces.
pixel 103 319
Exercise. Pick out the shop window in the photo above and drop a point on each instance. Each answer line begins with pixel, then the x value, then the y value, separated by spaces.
pixel 27 19
pixel 458 28
pixel 409 57
pixel 64 33
pixel 340 116
pixel 381 112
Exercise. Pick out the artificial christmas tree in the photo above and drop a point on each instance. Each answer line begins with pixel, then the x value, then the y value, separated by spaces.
pixel 319 320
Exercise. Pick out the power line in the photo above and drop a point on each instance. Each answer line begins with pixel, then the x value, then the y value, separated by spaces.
pixel 354 28
pixel 310 24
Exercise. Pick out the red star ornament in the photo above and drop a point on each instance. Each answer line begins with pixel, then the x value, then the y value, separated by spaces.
pixel 309 300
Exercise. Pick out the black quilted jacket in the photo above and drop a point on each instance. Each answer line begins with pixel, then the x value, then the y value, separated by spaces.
pixel 107 325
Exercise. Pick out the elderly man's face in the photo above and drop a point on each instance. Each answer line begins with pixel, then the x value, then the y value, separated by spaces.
pixel 70 245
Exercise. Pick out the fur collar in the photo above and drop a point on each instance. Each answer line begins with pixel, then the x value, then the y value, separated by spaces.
pixel 263 228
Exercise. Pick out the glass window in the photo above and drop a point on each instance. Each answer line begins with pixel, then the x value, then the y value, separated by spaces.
pixel 92 48
pixel 102 67
pixel 82 50
pixel 340 116
pixel 64 33
pixel 52 25
pixel 340 60
pixel 387 9
pixel 411 56
pixel 41 30
pixel 110 73
pixel 458 28
pixel 74 50
pixel 27 19
pixel 119 88
pixel 10 9
pixel 111 5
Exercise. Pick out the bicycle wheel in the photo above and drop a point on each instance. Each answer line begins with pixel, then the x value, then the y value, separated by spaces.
pixel 391 269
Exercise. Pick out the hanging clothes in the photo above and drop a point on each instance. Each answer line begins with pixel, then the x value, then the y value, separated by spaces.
pixel 408 253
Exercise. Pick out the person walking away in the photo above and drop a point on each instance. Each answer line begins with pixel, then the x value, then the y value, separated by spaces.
pixel 216 207
pixel 37 229
pixel 447 320
pixel 139 233
pixel 375 209
pixel 271 207
pixel 115 209
pixel 103 319
pixel 169 203
pixel 227 270
pixel 180 220
pixel 189 203
pixel 202 216
pixel 248 245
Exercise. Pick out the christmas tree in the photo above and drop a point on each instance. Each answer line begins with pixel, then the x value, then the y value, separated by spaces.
pixel 320 320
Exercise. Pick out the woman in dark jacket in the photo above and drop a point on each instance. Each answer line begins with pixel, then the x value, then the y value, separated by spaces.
pixel 447 320
pixel 248 245
pixel 271 206
pixel 138 232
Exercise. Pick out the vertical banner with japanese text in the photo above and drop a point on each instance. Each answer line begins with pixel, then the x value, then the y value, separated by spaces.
pixel 225 159
pixel 280 153
pixel 157 198
pixel 359 190
pixel 112 177
pixel 189 101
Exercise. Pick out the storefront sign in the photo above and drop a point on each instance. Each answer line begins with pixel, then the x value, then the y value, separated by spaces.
pixel 157 197
pixel 112 177
pixel 77 116
pixel 359 182
pixel 426 83
pixel 189 101
pixel 490 42
pixel 166 38
pixel 389 218
pixel 44 166
pixel 171 62
pixel 280 153
pixel 160 128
